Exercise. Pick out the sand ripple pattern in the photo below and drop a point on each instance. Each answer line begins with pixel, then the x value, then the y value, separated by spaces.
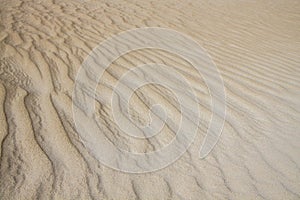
pixel 256 46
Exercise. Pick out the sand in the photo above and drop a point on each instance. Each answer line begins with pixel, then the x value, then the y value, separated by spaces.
pixel 254 44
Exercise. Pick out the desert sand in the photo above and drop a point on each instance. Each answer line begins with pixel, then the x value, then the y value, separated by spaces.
pixel 254 44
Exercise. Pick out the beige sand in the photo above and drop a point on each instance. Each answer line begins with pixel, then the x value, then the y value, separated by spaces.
pixel 256 46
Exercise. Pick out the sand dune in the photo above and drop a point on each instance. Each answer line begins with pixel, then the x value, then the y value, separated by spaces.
pixel 254 44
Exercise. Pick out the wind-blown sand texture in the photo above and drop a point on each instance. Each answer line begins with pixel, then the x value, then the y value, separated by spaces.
pixel 255 45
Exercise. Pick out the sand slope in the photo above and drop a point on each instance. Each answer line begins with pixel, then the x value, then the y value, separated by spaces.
pixel 256 46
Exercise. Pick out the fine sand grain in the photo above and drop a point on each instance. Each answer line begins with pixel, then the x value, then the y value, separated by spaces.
pixel 256 47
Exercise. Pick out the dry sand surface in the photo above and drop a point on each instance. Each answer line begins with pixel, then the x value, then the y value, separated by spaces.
pixel 256 47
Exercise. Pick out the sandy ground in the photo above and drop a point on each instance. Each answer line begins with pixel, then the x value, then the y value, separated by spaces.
pixel 255 45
